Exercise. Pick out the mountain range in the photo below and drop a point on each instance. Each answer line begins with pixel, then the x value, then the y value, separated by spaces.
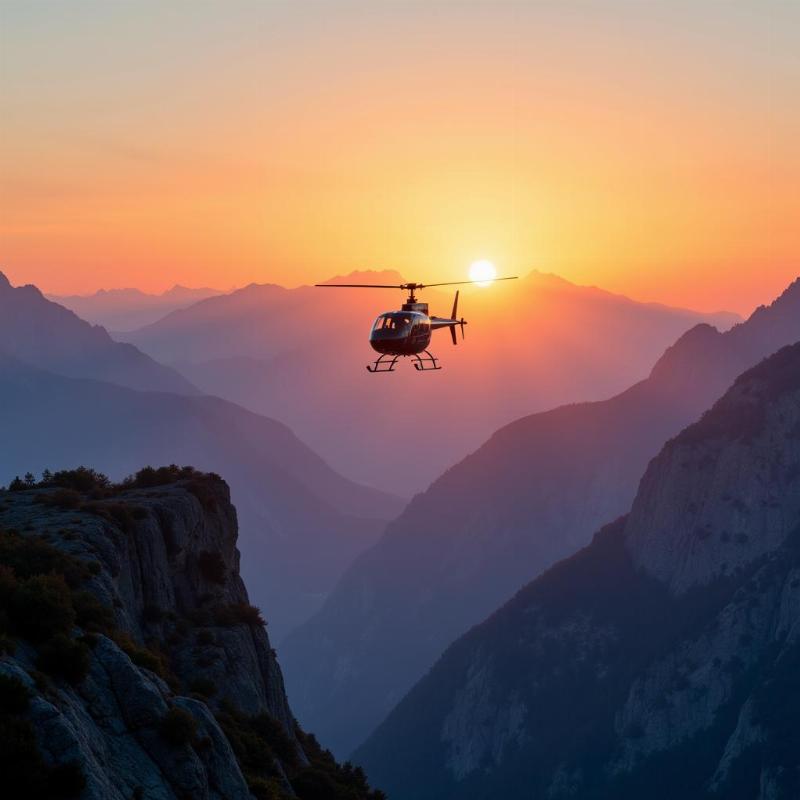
pixel 533 493
pixel 661 661
pixel 50 336
pixel 127 309
pixel 298 355
pixel 302 523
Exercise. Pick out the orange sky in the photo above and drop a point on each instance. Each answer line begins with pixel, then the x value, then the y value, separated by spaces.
pixel 650 148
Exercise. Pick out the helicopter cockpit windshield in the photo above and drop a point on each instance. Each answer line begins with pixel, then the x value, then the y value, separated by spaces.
pixel 392 324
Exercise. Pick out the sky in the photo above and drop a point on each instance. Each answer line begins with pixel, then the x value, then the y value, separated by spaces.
pixel 646 147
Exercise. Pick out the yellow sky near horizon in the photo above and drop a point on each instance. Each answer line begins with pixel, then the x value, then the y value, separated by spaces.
pixel 648 148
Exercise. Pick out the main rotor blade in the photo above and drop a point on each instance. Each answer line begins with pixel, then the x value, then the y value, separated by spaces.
pixel 359 286
pixel 404 286
pixel 457 283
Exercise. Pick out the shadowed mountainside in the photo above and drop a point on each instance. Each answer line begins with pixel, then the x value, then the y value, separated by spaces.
pixel 298 355
pixel 661 661
pixel 49 336
pixel 534 493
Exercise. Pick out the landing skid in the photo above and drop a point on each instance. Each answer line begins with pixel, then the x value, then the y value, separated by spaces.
pixel 426 362
pixel 383 364
pixel 387 362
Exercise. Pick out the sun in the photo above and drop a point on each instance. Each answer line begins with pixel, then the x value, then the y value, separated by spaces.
pixel 482 272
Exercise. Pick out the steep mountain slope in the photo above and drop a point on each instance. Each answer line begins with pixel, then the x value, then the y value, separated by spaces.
pixel 298 355
pixel 49 336
pixel 661 661
pixel 126 309
pixel 132 663
pixel 534 493
pixel 302 523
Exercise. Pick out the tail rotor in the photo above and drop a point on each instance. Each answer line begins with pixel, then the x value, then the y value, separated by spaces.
pixel 462 322
pixel 453 316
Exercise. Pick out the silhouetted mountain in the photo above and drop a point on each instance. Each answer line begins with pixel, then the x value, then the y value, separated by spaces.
pixel 126 309
pixel 50 336
pixel 301 522
pixel 298 355
pixel 661 661
pixel 534 493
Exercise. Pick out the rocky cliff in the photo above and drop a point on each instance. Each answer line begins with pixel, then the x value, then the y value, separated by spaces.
pixel 134 665
pixel 661 661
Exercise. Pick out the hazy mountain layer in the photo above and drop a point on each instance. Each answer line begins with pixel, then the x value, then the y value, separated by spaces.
pixel 47 335
pixel 126 309
pixel 534 493
pixel 661 661
pixel 302 523
pixel 298 355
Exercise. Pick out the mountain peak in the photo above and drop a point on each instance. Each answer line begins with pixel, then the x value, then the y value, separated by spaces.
pixel 368 276
pixel 788 299
pixel 686 350
pixel 551 279
pixel 52 337
pixel 5 283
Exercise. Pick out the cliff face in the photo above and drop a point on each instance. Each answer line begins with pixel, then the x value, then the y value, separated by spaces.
pixel 151 576
pixel 163 562
pixel 661 661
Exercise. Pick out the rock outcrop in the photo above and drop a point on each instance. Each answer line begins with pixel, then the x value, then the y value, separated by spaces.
pixel 661 661
pixel 177 658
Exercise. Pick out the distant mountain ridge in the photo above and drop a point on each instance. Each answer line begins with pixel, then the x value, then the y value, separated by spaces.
pixel 50 336
pixel 661 661
pixel 126 309
pixel 384 276
pixel 276 351
pixel 533 493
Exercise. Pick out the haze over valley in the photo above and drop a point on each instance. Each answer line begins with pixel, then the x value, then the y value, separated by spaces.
pixel 298 355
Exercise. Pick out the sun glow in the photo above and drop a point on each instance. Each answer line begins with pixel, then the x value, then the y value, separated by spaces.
pixel 482 272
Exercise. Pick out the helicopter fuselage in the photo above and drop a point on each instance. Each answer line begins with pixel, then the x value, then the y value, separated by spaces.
pixel 401 333
pixel 408 332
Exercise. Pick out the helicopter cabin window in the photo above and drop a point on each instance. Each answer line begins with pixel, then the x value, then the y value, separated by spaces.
pixel 391 323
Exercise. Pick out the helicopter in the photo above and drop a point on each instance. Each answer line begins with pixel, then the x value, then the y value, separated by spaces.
pixel 407 332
